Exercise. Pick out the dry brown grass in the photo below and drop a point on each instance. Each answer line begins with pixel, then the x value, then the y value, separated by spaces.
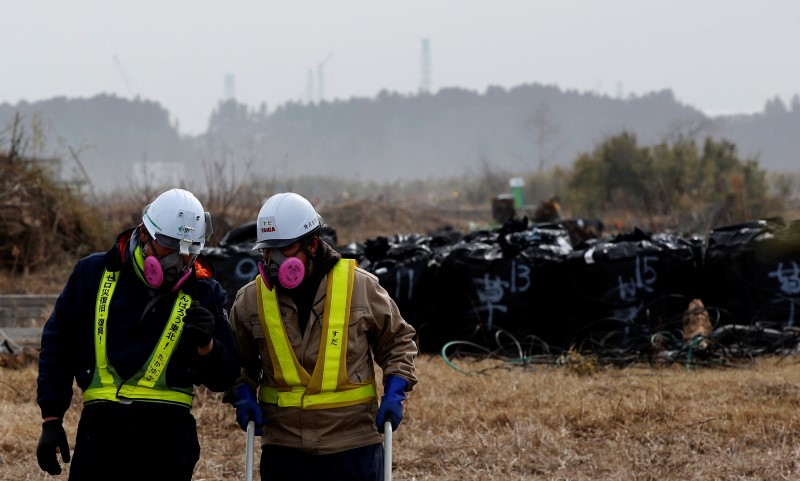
pixel 360 220
pixel 513 424
pixel 43 282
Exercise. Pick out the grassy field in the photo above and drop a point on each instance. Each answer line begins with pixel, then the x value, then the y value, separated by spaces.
pixel 513 423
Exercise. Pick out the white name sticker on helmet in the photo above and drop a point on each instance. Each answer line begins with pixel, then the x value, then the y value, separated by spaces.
pixel 267 224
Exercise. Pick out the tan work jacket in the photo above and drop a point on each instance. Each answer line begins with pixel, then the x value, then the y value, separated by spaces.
pixel 376 329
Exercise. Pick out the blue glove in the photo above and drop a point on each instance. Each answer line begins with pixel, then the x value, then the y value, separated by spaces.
pixel 247 408
pixel 394 391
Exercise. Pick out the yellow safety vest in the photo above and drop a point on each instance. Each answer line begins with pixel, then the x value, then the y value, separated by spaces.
pixel 150 382
pixel 328 386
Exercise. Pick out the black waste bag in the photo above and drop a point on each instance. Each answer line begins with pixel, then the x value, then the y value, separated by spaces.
pixel 404 271
pixel 241 234
pixel 492 282
pixel 581 230
pixel 627 287
pixel 405 266
pixel 752 273
pixel 235 262
pixel 355 251
pixel 235 266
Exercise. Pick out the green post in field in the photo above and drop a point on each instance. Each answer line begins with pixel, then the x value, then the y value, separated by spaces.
pixel 517 185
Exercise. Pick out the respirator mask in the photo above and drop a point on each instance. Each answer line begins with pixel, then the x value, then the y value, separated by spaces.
pixel 168 270
pixel 288 271
pixel 162 272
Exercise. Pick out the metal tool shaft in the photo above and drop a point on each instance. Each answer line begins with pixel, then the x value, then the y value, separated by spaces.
pixel 251 434
pixel 387 451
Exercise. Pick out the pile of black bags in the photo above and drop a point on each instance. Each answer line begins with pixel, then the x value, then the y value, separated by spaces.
pixel 540 283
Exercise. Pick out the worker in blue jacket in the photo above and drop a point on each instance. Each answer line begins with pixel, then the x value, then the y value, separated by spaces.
pixel 137 328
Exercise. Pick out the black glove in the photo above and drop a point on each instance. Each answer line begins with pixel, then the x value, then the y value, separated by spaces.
pixel 53 436
pixel 198 325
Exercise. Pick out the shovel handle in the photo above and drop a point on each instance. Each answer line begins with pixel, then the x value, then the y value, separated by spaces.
pixel 251 434
pixel 387 451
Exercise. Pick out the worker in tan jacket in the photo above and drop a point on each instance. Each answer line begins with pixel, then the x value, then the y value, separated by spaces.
pixel 310 329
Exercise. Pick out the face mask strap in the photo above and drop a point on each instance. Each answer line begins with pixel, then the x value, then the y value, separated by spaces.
pixel 182 279
pixel 264 276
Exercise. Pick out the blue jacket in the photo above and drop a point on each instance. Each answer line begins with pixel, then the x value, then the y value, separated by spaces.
pixel 136 319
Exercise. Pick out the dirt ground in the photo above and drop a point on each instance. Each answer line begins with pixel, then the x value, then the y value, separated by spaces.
pixel 537 423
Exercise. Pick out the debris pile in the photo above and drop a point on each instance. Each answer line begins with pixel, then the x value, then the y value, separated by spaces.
pixel 41 220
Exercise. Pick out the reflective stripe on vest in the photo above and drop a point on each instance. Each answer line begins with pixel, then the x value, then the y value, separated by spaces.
pixel 328 386
pixel 150 382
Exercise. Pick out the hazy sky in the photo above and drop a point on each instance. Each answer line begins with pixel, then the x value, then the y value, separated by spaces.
pixel 721 56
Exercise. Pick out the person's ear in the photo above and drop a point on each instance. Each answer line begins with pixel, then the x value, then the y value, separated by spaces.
pixel 144 239
pixel 313 245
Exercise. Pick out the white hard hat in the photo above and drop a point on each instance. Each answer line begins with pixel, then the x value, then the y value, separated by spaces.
pixel 176 220
pixel 284 219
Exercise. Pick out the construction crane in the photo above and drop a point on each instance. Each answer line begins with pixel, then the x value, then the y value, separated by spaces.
pixel 125 79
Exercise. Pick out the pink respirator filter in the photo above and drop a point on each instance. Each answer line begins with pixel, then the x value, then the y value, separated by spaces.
pixel 153 273
pixel 291 272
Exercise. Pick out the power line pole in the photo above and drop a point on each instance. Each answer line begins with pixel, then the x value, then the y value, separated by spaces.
pixel 321 77
pixel 230 87
pixel 310 87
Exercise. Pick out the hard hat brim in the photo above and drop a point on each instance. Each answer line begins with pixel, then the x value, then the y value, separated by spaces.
pixel 175 244
pixel 274 244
